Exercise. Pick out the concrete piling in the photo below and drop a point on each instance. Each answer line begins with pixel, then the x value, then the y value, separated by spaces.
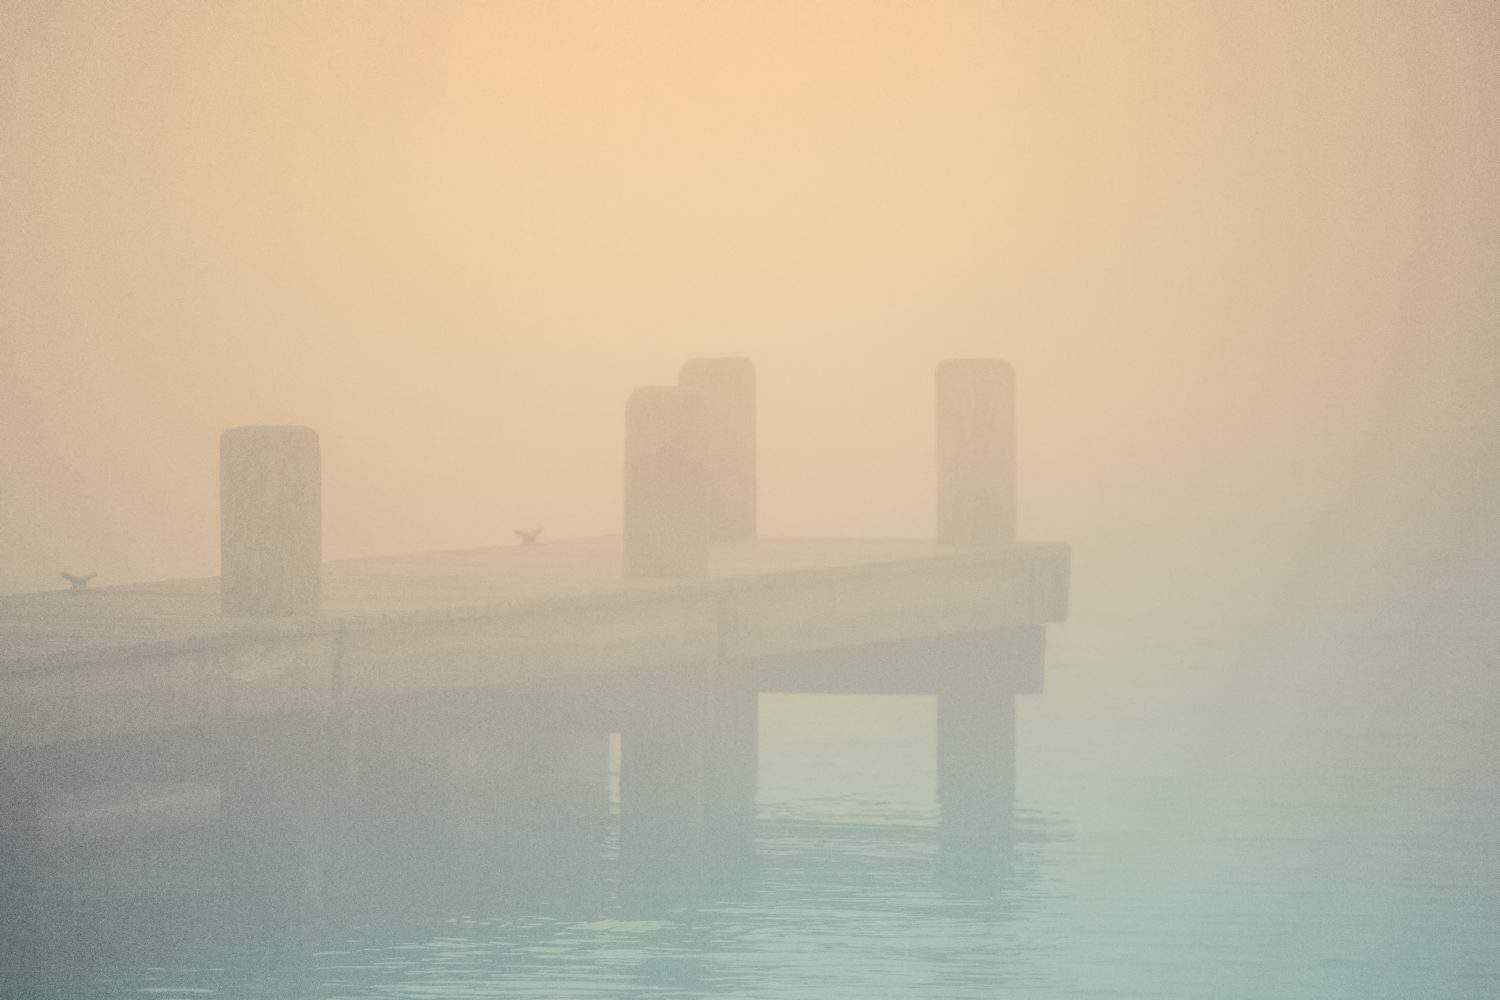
pixel 531 768
pixel 271 527
pixel 728 437
pixel 666 526
pixel 399 806
pixel 976 763
pixel 976 452
pixel 272 802
pixel 663 745
pixel 20 829
pixel 731 769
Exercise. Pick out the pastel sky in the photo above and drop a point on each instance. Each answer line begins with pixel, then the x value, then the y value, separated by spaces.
pixel 1242 255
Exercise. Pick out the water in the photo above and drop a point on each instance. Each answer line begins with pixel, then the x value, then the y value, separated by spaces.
pixel 1297 812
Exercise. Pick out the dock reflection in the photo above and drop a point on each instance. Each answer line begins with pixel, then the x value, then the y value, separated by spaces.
pixel 517 899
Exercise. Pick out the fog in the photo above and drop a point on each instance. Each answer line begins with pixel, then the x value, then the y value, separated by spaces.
pixel 1242 257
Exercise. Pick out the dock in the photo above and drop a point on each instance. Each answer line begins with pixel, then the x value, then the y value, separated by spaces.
pixel 328 701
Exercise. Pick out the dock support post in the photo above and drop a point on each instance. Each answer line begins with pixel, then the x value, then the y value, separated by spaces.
pixel 662 769
pixel 337 775
pixel 557 812
pixel 272 801
pixel 666 529
pixel 270 514
pixel 976 452
pixel 730 770
pixel 728 388
pixel 976 767
pixel 20 829
pixel 398 807
pixel 531 776
pixel 976 747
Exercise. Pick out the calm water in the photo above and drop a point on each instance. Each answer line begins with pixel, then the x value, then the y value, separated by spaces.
pixel 1311 815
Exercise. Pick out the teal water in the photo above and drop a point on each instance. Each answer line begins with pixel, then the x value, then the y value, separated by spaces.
pixel 1298 813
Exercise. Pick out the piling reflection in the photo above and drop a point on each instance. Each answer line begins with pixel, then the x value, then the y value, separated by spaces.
pixel 507 836
pixel 825 892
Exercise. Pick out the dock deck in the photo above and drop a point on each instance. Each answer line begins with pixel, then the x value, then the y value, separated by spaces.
pixel 114 660
pixel 54 627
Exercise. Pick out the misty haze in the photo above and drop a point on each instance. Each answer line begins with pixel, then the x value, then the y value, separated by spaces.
pixel 749 500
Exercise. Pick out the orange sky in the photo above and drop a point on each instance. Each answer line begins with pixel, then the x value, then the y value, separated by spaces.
pixel 1242 255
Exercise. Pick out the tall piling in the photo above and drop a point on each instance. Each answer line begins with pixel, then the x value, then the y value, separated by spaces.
pixel 976 701
pixel 976 452
pixel 666 517
pixel 728 441
pixel 270 521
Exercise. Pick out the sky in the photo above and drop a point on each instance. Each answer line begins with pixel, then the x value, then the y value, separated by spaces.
pixel 1243 257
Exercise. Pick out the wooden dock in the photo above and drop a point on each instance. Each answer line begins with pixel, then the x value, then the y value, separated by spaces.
pixel 323 700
